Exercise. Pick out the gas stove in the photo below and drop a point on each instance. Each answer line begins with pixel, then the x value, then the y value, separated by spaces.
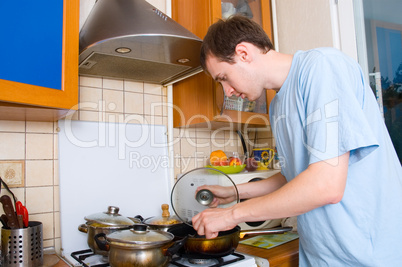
pixel 87 258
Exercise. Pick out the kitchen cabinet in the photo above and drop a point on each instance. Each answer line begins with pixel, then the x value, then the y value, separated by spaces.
pixel 39 59
pixel 199 100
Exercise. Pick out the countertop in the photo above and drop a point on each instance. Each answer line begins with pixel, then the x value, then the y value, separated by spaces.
pixel 52 260
pixel 286 255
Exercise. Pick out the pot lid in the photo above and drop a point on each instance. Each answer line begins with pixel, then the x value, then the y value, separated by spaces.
pixel 165 219
pixel 110 217
pixel 187 202
pixel 140 235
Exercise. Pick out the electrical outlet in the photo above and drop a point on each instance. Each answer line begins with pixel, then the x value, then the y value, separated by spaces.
pixel 12 173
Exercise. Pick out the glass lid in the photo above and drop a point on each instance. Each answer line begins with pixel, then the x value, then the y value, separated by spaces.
pixel 165 219
pixel 140 235
pixel 110 217
pixel 187 201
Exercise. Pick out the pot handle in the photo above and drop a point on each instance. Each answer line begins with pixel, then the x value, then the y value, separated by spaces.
pixel 173 249
pixel 83 228
pixel 139 217
pixel 100 240
pixel 279 230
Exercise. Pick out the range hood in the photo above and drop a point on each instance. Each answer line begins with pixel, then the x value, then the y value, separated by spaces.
pixel 132 39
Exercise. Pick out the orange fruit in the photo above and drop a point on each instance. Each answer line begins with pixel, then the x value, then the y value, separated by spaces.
pixel 218 158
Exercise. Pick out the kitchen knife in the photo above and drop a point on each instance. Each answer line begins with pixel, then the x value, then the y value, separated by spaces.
pixel 22 211
pixel 4 220
pixel 9 211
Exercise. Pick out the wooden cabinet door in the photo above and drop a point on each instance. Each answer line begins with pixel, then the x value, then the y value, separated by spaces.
pixel 196 104
pixel 39 54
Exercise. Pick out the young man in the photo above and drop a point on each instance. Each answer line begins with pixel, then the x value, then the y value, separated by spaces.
pixel 340 173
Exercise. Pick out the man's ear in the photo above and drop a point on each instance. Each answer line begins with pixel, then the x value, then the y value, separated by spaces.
pixel 242 52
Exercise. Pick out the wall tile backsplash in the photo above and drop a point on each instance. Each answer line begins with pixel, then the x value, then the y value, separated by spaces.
pixel 101 99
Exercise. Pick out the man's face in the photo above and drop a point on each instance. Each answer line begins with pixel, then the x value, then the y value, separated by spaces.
pixel 236 78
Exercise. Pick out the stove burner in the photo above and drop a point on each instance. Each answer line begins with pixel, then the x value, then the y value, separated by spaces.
pixel 201 261
pixel 211 262
pixel 81 255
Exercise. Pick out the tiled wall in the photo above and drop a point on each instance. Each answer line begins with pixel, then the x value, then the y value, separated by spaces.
pixel 36 144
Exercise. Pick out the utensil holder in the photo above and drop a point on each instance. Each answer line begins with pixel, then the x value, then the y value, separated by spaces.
pixel 23 247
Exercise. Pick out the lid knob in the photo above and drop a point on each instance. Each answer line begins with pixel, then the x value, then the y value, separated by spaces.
pixel 204 197
pixel 165 210
pixel 113 210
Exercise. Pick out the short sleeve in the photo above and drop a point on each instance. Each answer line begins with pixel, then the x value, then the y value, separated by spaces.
pixel 334 97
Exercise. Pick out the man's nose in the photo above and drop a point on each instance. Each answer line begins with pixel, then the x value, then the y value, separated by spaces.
pixel 229 91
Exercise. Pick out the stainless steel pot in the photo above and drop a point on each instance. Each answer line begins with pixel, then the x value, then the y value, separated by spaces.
pixel 138 246
pixel 107 223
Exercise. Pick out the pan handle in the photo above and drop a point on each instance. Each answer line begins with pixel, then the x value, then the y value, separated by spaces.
pixel 270 231
pixel 176 246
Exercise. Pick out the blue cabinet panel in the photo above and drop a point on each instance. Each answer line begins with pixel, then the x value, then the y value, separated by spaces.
pixel 31 40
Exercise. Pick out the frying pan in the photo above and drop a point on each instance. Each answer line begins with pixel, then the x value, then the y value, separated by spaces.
pixel 225 243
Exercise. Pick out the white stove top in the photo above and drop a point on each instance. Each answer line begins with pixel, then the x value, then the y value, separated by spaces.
pixel 248 261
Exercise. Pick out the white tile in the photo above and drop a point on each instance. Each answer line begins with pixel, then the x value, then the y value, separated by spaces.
pixel 56 178
pixel 91 115
pixel 57 225
pixel 39 127
pixel 55 146
pixel 56 199
pixel 12 126
pixel 200 161
pixel 154 120
pixel 91 81
pixel 39 146
pixel 135 87
pixel 113 84
pixel 187 147
pixel 90 98
pixel 48 243
pixel 187 164
pixel 188 133
pixel 217 144
pixel 203 146
pixel 135 118
pixel 176 132
pixel 203 133
pixel 39 172
pixel 47 221
pixel 57 246
pixel 154 89
pixel 133 103
pixel 39 199
pixel 153 105
pixel 218 134
pixel 12 146
pixel 165 107
pixel 113 100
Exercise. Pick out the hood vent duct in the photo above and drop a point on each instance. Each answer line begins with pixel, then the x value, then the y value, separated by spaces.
pixel 131 39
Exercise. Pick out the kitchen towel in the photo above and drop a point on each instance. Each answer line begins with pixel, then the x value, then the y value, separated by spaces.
pixel 270 241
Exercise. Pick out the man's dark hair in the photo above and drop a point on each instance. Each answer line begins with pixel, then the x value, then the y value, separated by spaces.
pixel 224 35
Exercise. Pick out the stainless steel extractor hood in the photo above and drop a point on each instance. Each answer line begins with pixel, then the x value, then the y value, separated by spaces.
pixel 132 39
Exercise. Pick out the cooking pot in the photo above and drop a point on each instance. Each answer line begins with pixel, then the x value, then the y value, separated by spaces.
pixel 225 243
pixel 164 222
pixel 104 222
pixel 138 246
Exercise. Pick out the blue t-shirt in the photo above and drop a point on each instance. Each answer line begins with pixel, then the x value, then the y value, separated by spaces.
pixel 324 109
